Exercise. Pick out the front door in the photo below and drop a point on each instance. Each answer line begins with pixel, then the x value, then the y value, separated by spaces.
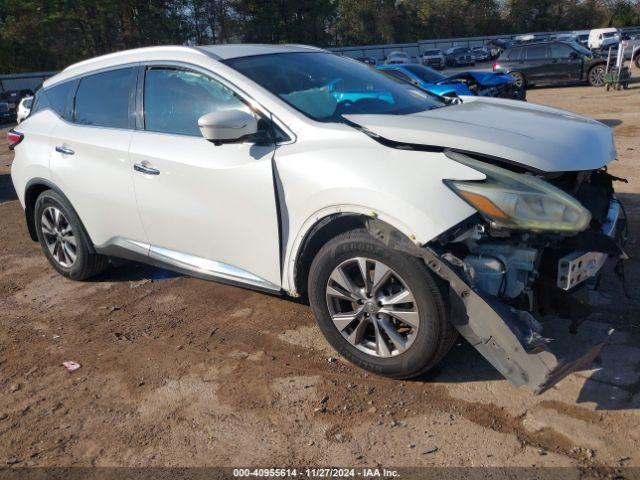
pixel 208 209
pixel 566 64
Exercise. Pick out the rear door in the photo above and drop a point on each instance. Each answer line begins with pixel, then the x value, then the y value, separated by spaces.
pixel 209 209
pixel 90 160
pixel 537 61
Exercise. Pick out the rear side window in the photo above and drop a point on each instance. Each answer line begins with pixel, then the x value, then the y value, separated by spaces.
pixel 103 99
pixel 175 99
pixel 537 52
pixel 513 54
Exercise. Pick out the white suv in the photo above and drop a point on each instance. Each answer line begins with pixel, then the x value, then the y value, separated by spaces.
pixel 402 217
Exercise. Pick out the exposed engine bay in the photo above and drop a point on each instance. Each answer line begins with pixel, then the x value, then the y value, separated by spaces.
pixel 504 283
pixel 545 273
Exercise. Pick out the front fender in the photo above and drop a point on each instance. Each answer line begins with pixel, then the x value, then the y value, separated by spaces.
pixel 293 252
pixel 360 176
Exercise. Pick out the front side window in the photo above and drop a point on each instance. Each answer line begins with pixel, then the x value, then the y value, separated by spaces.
pixel 324 86
pixel 175 99
pixel 560 50
pixel 102 99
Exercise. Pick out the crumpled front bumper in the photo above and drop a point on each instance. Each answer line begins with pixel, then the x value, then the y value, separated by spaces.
pixel 511 340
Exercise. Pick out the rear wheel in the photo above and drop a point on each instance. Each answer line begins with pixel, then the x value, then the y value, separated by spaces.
pixel 379 308
pixel 596 76
pixel 637 61
pixel 63 239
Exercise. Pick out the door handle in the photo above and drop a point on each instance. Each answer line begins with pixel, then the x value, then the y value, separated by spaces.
pixel 64 150
pixel 142 168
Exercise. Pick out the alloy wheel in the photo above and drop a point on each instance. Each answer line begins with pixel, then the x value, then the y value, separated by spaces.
pixel 519 79
pixel 59 237
pixel 372 307
pixel 596 76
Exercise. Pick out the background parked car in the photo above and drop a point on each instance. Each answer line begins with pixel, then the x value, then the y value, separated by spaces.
pixel 485 84
pixel 5 113
pixel 458 56
pixel 582 38
pixel 603 38
pixel 433 58
pixel 24 107
pixel 425 78
pixel 551 62
pixel 395 58
pixel 481 54
pixel 12 99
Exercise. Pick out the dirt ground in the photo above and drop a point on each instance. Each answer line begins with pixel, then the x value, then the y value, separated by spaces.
pixel 182 372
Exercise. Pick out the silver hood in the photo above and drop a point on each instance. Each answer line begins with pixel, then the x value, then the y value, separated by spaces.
pixel 535 136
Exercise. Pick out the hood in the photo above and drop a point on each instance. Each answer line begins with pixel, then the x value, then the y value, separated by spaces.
pixel 484 79
pixel 533 136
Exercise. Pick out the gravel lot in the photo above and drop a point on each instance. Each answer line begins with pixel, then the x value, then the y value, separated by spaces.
pixel 181 372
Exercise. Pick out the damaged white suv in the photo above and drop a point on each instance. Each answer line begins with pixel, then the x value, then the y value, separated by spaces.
pixel 402 217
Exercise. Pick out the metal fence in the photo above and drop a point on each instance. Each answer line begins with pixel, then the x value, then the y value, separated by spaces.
pixel 20 81
pixel 380 52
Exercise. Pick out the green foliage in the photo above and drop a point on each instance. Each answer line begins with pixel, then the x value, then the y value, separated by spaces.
pixel 50 34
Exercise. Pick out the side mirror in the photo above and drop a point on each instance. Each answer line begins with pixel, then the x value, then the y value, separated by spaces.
pixel 573 55
pixel 227 126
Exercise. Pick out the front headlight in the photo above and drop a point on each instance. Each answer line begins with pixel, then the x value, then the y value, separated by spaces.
pixel 518 201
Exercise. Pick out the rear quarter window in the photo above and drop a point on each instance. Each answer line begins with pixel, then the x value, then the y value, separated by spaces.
pixel 55 98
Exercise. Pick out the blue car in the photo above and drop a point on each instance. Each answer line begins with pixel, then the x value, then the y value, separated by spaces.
pixel 487 84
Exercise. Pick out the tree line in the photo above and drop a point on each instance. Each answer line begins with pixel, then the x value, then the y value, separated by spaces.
pixel 40 35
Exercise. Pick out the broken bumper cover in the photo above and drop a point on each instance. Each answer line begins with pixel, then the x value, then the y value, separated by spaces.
pixel 509 339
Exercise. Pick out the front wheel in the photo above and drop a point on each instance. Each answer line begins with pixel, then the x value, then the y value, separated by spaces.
pixel 596 76
pixel 519 79
pixel 379 308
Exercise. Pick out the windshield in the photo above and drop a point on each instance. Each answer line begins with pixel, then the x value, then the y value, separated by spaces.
pixel 425 74
pixel 580 49
pixel 432 52
pixel 324 86
pixel 609 34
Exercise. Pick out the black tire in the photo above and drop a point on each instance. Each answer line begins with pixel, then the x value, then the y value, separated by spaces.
pixel 637 61
pixel 86 263
pixel 435 335
pixel 595 76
